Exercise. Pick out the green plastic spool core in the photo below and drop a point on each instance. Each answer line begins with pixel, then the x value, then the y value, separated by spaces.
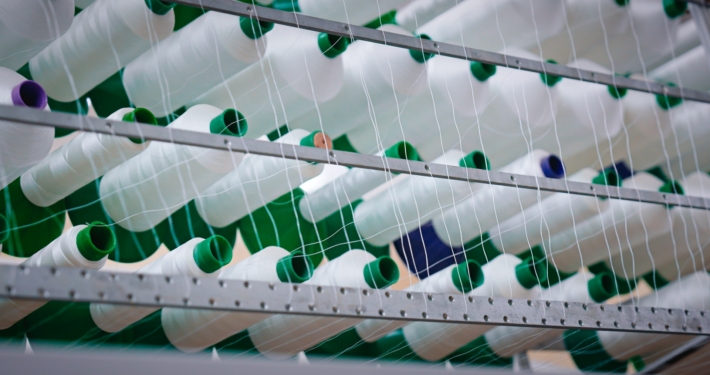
pixel 402 150
pixel 589 354
pixel 159 7
pixel 667 102
pixel 95 241
pixel 381 273
pixel 253 28
pixel 655 280
pixel 212 254
pixel 419 55
pixel 601 287
pixel 286 5
pixel 332 46
pixel 4 229
pixel 482 71
pixel 230 122
pixel 607 177
pixel 142 116
pixel 674 8
pixel 622 3
pixel 389 18
pixel 672 187
pixel 530 273
pixel 467 276
pixel 617 92
pixel 475 160
pixel 294 268
pixel 549 79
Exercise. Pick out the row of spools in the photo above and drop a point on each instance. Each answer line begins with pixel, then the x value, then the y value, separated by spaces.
pixel 457 237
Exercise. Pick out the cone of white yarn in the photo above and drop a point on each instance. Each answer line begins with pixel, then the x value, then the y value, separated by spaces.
pixel 356 12
pixel 301 69
pixel 257 181
pixel 104 37
pixel 419 12
pixel 690 70
pixel 82 160
pixel 27 26
pixel 21 145
pixel 148 188
pixel 80 247
pixel 198 57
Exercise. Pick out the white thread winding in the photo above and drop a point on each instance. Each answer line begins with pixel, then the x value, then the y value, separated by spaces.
pixel 356 12
pixel 419 12
pixel 690 70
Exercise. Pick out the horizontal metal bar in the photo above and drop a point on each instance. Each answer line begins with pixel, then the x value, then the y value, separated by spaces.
pixel 430 46
pixel 80 285
pixel 245 145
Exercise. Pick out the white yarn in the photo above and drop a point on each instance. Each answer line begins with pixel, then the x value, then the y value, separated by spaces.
pixel 547 218
pixel 27 26
pixel 62 252
pixel 193 330
pixel 21 145
pixel 258 181
pixel 78 162
pixel 81 4
pixel 623 224
pixel 291 79
pixel 492 204
pixel 283 336
pixel 356 12
pixel 690 70
pixel 492 26
pixel 378 80
pixel 181 261
pixel 686 146
pixel 419 12
pixel 190 62
pixel 148 188
pixel 104 37
pixel 409 203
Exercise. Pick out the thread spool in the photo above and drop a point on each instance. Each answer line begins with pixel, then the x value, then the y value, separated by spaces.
pixel 27 26
pixel 301 69
pixel 690 70
pixel 419 12
pixel 82 160
pixel 21 145
pixel 104 37
pixel 198 57
pixel 148 188
pixel 685 147
pixel 351 11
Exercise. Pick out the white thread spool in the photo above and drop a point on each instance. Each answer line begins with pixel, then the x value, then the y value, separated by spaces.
pixel 492 204
pixel 492 26
pixel 690 70
pixel 419 12
pixel 148 188
pixel 62 252
pixel 21 145
pixel 258 181
pixel 198 57
pixel 27 26
pixel 356 12
pixel 104 37
pixel 686 146
pixel 81 4
pixel 376 79
pixel 80 161
pixel 550 216
pixel 294 77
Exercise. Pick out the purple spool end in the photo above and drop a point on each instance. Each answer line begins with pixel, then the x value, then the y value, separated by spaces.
pixel 29 94
pixel 552 167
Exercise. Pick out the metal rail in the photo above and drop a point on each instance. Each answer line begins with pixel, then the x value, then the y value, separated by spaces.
pixel 439 48
pixel 244 145
pixel 79 285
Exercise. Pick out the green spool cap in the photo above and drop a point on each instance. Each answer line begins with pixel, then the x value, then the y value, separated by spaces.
pixel 482 71
pixel 601 287
pixel 419 55
pixel 671 187
pixel 622 3
pixel 555 276
pixel 381 272
pixel 253 28
pixel 535 253
pixel 481 249
pixel 530 273
pixel 286 5
pixel 549 79
pixel 617 92
pixel 294 268
pixel 230 122
pixel 95 241
pixel 476 160
pixel 212 254
pixel 467 276
pixel 589 354
pixel 667 102
pixel 142 116
pixel 655 280
pixel 332 46
pixel 342 143
pixel 599 267
pixel 402 150
pixel 4 229
pixel 389 18
pixel 674 8
pixel 159 7
pixel 638 363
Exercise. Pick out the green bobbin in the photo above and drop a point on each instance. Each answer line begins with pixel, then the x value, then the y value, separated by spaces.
pixel 230 122
pixel 212 254
pixel 294 268
pixel 381 272
pixel 95 241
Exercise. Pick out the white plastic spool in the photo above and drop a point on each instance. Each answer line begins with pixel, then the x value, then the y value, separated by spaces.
pixel 78 162
pixel 492 204
pixel 537 223
pixel 493 26
pixel 291 79
pixel 148 188
pixel 690 70
pixel 62 252
pixel 257 181
pixel 21 145
pixel 104 37
pixel 356 12
pixel 27 26
pixel 190 62
pixel 419 12
pixel 377 82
